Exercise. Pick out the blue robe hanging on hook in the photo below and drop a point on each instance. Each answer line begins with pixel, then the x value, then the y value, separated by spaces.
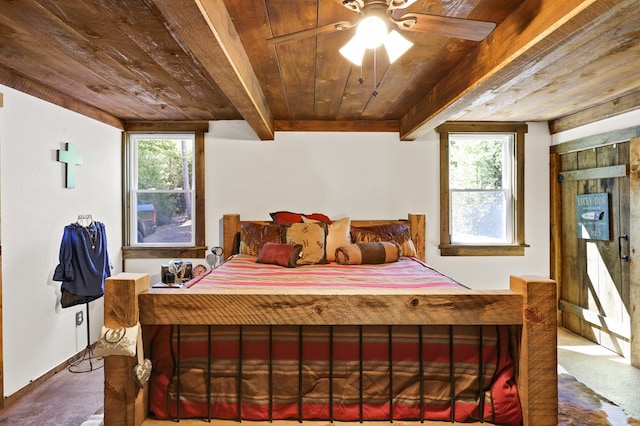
pixel 84 263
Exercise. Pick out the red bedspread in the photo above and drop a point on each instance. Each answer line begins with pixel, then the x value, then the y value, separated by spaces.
pixel 406 275
pixel 342 373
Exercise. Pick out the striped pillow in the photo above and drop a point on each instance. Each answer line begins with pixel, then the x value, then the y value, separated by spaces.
pixel 368 253
pixel 398 233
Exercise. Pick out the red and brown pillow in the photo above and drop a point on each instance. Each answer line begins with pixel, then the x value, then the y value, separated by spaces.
pixel 284 216
pixel 253 236
pixel 368 253
pixel 286 255
pixel 398 233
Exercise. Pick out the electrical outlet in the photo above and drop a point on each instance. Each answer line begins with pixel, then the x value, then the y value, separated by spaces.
pixel 79 318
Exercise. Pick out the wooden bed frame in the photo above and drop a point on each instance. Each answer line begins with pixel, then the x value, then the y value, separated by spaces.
pixel 529 306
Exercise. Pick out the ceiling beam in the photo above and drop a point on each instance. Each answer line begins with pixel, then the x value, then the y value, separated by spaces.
pixel 336 126
pixel 11 79
pixel 531 30
pixel 205 31
pixel 621 105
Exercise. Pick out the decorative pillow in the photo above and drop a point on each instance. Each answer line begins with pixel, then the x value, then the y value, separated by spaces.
pixel 338 234
pixel 368 253
pixel 286 217
pixel 255 235
pixel 118 341
pixel 280 254
pixel 312 237
pixel 397 232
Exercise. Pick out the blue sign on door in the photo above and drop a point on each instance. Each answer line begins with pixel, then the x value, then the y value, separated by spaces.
pixel 593 216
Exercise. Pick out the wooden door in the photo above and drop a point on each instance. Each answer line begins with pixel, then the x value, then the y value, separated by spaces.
pixel 594 280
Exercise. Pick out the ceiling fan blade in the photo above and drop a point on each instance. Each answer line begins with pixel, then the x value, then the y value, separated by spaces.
pixel 449 26
pixel 299 35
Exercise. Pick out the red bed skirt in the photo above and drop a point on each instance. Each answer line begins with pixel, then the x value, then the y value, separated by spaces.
pixel 340 373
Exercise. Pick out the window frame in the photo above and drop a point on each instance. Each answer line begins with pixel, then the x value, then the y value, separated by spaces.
pixel 198 249
pixel 447 248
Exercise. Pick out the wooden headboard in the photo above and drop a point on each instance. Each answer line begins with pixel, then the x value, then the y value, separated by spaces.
pixel 231 224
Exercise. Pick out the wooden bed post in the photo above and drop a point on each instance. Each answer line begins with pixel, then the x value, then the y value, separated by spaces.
pixel 124 402
pixel 230 227
pixel 417 223
pixel 537 375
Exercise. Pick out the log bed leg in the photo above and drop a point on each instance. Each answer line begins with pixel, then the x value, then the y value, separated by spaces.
pixel 537 376
pixel 124 402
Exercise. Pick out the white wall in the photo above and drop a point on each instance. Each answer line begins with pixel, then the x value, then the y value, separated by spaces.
pixel 364 176
pixel 38 334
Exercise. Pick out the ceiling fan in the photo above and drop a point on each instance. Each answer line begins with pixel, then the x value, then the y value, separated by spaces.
pixel 375 15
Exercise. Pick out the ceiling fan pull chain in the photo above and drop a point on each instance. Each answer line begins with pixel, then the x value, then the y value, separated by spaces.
pixel 375 73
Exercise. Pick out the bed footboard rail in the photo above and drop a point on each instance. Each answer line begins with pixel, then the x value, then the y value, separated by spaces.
pixel 535 347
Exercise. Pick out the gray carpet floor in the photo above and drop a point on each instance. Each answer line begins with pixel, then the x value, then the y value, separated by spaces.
pixel 601 370
pixel 66 399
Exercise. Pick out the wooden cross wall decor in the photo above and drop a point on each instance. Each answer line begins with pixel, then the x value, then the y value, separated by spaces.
pixel 71 158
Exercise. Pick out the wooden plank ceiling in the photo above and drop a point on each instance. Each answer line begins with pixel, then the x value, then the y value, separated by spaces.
pixel 567 62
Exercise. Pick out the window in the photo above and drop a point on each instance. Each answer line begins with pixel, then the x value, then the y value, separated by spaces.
pixel 164 193
pixel 482 189
pixel 162 189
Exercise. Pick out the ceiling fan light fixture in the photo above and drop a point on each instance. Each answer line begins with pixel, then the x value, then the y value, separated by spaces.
pixel 372 31
pixel 354 50
pixel 396 45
